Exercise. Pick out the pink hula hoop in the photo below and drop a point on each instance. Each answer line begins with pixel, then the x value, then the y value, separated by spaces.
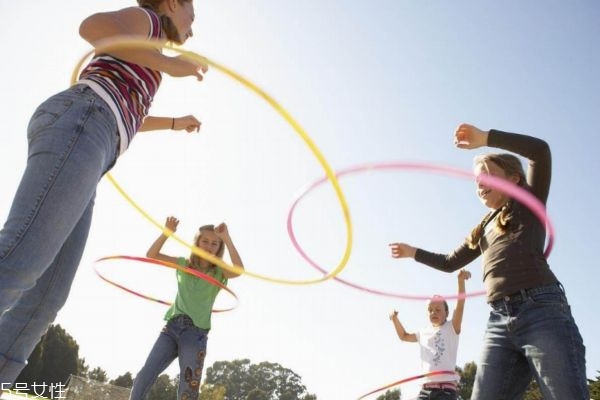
pixel 514 191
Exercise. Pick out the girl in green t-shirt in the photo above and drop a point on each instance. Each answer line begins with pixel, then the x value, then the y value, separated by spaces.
pixel 188 319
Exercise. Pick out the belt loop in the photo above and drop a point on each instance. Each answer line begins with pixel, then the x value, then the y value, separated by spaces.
pixel 561 287
pixel 524 294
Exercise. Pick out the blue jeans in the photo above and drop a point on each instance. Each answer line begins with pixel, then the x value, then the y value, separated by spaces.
pixel 532 334
pixel 73 141
pixel 179 338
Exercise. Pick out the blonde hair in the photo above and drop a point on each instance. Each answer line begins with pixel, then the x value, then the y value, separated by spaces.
pixel 220 250
pixel 167 25
pixel 511 165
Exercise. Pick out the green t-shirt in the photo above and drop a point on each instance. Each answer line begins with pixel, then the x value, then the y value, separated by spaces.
pixel 195 296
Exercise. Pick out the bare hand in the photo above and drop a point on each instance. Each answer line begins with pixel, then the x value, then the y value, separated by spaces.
pixel 402 250
pixel 189 123
pixel 393 315
pixel 221 231
pixel 469 137
pixel 463 275
pixel 171 224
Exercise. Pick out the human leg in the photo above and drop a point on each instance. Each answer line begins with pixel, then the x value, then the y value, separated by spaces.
pixel 23 325
pixel 503 372
pixel 192 352
pixel 550 339
pixel 72 142
pixel 162 354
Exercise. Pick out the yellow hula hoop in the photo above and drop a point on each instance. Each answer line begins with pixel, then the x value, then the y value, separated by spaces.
pixel 331 176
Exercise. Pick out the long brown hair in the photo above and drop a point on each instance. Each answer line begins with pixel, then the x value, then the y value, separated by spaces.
pixel 167 25
pixel 511 165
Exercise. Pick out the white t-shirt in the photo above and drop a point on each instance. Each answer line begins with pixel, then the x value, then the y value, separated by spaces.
pixel 439 346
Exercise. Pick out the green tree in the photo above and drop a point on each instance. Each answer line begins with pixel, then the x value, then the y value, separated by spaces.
pixel 53 360
pixel 31 372
pixel 257 394
pixel 241 378
pixel 212 392
pixel 594 386
pixel 390 395
pixel 82 368
pixel 467 379
pixel 164 388
pixel 533 392
pixel 98 374
pixel 125 380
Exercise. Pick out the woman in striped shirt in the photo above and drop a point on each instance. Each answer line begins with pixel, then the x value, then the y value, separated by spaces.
pixel 74 138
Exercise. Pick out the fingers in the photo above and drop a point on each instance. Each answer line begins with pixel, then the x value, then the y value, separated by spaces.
pixel 189 123
pixel 171 223
pixel 462 136
pixel 464 274
pixel 397 250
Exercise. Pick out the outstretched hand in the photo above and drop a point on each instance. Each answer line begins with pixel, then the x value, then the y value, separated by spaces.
pixel 393 315
pixel 469 137
pixel 402 250
pixel 189 123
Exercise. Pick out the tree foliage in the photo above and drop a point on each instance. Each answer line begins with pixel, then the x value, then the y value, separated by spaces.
pixel 243 380
pixel 53 360
pixel 467 379
pixel 164 388
pixel 212 392
pixel 533 392
pixel 594 386
pixel 390 395
pixel 125 380
pixel 98 374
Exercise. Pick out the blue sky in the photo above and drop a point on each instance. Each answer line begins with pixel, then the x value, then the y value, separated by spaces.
pixel 370 82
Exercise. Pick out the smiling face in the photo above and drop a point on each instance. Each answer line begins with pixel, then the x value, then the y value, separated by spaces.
pixel 489 196
pixel 208 241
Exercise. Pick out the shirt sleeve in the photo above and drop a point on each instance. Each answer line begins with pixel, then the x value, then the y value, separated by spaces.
pixel 454 261
pixel 537 151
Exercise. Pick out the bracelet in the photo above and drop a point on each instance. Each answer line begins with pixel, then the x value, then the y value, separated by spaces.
pixel 172 123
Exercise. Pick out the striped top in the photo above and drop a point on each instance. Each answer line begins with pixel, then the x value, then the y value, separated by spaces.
pixel 128 88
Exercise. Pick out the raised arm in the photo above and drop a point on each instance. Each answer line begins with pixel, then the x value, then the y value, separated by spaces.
pixel 460 302
pixel 537 151
pixel 155 248
pixel 223 233
pixel 402 334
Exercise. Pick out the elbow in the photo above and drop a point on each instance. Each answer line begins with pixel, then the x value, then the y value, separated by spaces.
pixel 86 30
pixel 545 149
